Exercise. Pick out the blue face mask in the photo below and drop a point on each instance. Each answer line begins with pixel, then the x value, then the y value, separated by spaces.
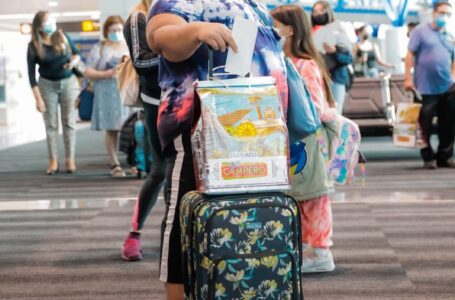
pixel 49 28
pixel 115 36
pixel 440 21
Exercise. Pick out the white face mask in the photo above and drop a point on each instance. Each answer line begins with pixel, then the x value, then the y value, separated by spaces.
pixel 282 41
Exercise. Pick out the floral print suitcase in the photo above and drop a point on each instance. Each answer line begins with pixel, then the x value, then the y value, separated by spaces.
pixel 241 246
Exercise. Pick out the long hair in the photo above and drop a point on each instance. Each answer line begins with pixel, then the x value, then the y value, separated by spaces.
pixel 302 45
pixel 58 39
pixel 143 6
pixel 328 8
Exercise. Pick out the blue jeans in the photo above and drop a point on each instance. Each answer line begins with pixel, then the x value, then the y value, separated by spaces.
pixel 339 93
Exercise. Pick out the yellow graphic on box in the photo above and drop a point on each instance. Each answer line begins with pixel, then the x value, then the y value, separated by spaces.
pixel 246 129
pixel 244 170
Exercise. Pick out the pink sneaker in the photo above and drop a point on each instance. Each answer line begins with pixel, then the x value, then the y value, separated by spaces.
pixel 132 247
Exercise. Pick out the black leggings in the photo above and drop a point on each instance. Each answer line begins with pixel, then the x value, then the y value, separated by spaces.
pixel 162 163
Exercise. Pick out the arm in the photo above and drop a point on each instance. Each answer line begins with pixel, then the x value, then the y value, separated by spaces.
pixel 379 60
pixel 31 64
pixel 94 74
pixel 409 64
pixel 312 76
pixel 142 57
pixel 93 61
pixel 175 39
pixel 453 71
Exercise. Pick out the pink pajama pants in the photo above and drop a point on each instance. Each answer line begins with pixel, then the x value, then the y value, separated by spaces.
pixel 316 217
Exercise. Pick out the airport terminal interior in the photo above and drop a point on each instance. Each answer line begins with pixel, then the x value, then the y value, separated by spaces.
pixel 61 235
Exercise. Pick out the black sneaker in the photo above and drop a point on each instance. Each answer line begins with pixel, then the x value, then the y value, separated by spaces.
pixel 450 163
pixel 430 165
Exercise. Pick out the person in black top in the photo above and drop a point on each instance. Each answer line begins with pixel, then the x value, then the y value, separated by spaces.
pixel 367 55
pixel 56 55
pixel 146 65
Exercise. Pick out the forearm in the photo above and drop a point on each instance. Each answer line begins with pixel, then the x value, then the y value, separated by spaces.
pixel 94 74
pixel 453 71
pixel 409 64
pixel 36 94
pixel 176 43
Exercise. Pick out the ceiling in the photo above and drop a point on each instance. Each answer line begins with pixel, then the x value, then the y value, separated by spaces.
pixel 14 12
pixel 32 6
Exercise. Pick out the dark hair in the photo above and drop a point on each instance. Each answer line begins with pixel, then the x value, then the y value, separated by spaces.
pixel 302 45
pixel 58 39
pixel 328 8
pixel 441 3
pixel 111 20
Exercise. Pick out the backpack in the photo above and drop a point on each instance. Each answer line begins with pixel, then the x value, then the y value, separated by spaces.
pixel 346 155
pixel 128 83
pixel 133 142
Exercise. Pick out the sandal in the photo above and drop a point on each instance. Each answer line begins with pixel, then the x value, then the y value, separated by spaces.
pixel 117 171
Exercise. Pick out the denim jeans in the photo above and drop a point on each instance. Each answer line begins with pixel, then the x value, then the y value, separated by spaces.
pixel 61 93
pixel 339 93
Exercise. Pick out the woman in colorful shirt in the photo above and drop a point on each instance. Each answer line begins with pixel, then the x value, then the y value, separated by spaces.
pixel 181 30
pixel 311 186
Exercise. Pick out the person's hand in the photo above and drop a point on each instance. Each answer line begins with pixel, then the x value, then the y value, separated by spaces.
pixel 217 36
pixel 72 63
pixel 329 49
pixel 109 73
pixel 408 84
pixel 40 107
pixel 76 103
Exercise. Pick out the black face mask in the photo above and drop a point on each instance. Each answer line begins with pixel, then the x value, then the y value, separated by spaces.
pixel 320 19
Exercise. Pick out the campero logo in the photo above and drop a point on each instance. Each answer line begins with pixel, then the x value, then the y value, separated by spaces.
pixel 243 170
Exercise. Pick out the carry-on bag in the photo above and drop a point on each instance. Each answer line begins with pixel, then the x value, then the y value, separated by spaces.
pixel 241 247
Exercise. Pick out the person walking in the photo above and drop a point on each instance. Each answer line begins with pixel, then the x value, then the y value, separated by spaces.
pixel 337 57
pixel 55 54
pixel 312 186
pixel 180 32
pixel 146 65
pixel 109 113
pixel 432 56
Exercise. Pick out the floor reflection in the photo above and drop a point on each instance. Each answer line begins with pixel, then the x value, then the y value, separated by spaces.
pixel 65 204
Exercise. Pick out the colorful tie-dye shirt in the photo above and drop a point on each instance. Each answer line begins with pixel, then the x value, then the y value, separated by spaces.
pixel 176 79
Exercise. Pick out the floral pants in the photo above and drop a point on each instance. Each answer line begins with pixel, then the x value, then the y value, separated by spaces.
pixel 316 217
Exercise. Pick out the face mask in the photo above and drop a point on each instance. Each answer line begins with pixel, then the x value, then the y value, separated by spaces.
pixel 115 36
pixel 440 21
pixel 282 41
pixel 49 27
pixel 320 19
pixel 365 36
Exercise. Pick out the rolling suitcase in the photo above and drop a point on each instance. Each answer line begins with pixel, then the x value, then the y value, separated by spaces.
pixel 241 246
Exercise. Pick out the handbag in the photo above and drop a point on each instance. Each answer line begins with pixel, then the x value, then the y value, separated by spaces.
pixel 303 118
pixel 128 83
pixel 86 103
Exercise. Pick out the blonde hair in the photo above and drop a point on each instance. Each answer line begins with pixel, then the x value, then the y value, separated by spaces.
pixel 143 6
